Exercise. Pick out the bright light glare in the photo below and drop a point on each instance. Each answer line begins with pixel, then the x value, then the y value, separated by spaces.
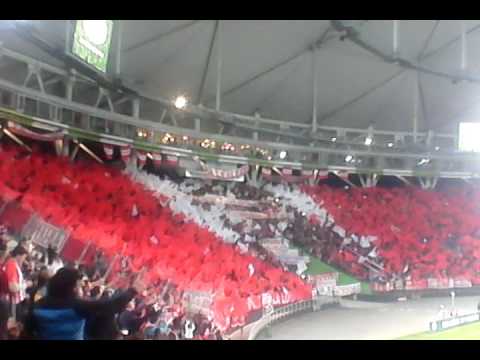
pixel 348 158
pixel 368 141
pixel 180 102
pixel 424 161
pixel 334 139
pixel 283 154
pixel 468 135
pixel 390 145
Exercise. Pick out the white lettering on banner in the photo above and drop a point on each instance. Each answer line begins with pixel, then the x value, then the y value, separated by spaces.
pixel 346 290
pixel 198 301
pixel 438 283
pixel 251 304
pixel 325 276
pixel 462 283
pixel 460 320
pixel 44 234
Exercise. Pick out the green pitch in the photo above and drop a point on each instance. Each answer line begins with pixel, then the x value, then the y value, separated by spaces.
pixel 465 332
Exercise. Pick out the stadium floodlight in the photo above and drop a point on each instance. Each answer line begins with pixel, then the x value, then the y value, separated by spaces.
pixel 180 102
pixel 368 140
pixel 283 154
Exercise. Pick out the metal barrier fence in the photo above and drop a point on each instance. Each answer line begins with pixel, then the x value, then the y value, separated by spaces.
pixel 288 311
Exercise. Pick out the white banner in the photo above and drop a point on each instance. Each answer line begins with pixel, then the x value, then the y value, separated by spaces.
pixel 346 290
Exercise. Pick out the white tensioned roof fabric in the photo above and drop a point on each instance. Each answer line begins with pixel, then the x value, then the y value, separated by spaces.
pixel 268 67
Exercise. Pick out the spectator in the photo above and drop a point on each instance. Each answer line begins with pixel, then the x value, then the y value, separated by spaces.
pixel 61 315
pixel 16 284
pixel 54 261
pixel 102 326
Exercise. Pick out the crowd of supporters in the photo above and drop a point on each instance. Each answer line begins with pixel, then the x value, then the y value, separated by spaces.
pixel 408 233
pixel 96 204
pixel 40 298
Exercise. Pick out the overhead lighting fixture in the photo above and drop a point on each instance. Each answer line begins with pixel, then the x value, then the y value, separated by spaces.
pixel 334 139
pixel 180 102
pixel 368 140
pixel 348 158
pixel 424 161
pixel 283 154
pixel 390 144
pixel 437 148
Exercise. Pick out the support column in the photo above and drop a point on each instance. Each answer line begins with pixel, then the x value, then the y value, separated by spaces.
pixel 136 108
pixel 219 66
pixel 395 37
pixel 415 106
pixel 68 35
pixel 119 48
pixel 463 63
pixel 315 89
pixel 66 146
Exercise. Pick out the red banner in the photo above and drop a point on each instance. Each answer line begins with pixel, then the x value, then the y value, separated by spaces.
pixel 23 131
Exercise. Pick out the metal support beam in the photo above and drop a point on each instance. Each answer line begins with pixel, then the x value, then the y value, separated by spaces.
pixel 404 180
pixel 136 108
pixel 395 37
pixel 118 53
pixel 415 106
pixel 69 87
pixel 318 43
pixel 162 117
pixel 68 35
pixel 207 64
pixel 219 66
pixel 463 63
pixel 315 89
pixel 158 37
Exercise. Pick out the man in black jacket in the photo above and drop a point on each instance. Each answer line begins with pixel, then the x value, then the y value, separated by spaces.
pixel 61 315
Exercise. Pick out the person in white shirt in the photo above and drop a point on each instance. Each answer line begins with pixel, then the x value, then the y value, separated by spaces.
pixel 189 329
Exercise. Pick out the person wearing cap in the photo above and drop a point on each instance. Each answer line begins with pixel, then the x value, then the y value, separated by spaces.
pixel 61 315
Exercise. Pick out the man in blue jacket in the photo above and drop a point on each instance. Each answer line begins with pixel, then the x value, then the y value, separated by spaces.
pixel 61 315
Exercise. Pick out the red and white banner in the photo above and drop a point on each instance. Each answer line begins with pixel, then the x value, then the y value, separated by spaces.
pixel 142 158
pixel 171 160
pixel 266 171
pixel 23 131
pixel 108 148
pixel 287 171
pixel 157 159
pixel 126 152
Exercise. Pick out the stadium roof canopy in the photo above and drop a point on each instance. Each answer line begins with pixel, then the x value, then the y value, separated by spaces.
pixel 268 67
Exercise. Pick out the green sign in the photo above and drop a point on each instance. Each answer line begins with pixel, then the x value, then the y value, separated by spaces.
pixel 91 42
